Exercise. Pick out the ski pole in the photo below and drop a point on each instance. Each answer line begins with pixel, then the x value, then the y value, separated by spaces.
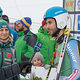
pixel 51 65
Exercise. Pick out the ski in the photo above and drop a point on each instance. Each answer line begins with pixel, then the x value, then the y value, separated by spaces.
pixel 66 37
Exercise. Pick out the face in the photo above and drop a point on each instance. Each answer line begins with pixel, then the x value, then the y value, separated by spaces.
pixel 37 62
pixel 4 33
pixel 51 26
pixel 18 26
pixel 44 27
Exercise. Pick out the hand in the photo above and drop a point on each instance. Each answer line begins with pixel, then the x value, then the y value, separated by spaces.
pixel 25 65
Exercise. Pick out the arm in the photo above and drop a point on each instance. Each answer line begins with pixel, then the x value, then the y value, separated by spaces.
pixel 9 71
pixel 31 42
pixel 14 69
pixel 28 54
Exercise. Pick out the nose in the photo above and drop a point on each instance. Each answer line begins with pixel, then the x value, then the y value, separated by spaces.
pixel 4 31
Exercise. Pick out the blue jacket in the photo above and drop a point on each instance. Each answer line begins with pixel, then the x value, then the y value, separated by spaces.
pixel 14 35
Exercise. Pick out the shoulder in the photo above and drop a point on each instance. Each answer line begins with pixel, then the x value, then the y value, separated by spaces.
pixel 30 36
pixel 30 39
pixel 13 31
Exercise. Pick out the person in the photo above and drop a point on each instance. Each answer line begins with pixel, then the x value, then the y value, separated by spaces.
pixel 1 12
pixel 16 26
pixel 37 59
pixel 43 28
pixel 48 43
pixel 14 69
pixel 14 33
pixel 26 42
pixel 58 19
pixel 7 56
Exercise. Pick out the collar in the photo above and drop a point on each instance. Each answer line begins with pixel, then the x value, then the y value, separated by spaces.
pixel 4 41
pixel 25 32
pixel 2 45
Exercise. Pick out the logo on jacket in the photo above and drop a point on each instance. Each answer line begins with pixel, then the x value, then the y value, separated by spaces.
pixel 8 55
pixel 52 39
pixel 43 37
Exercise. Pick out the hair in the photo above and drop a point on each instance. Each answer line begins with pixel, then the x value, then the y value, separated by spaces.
pixel 10 38
pixel 5 17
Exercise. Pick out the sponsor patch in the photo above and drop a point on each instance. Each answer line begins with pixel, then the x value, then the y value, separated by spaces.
pixel 7 63
pixel 8 55
pixel 6 59
pixel 43 37
pixel 52 39
pixel 4 26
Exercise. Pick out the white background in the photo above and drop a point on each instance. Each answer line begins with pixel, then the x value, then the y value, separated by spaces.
pixel 16 9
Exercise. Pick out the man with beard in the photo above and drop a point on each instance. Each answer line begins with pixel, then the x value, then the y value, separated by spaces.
pixel 58 23
pixel 26 41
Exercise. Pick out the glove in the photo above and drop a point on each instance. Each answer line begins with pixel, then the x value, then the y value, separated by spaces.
pixel 24 58
pixel 25 67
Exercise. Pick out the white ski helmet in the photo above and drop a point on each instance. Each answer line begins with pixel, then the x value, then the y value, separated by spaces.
pixel 61 16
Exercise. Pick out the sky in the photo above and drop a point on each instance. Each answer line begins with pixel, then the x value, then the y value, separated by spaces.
pixel 17 9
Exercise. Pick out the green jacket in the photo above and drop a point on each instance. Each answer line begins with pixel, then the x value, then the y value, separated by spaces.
pixel 48 45
pixel 25 45
pixel 7 55
pixel 41 30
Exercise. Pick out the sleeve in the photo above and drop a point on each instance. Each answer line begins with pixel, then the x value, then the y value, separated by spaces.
pixel 2 75
pixel 31 41
pixel 26 56
pixel 10 71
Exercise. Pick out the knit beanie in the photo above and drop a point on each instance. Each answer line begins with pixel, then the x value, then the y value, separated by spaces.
pixel 43 22
pixel 39 56
pixel 26 21
pixel 1 12
pixel 5 17
pixel 17 22
pixel 4 24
